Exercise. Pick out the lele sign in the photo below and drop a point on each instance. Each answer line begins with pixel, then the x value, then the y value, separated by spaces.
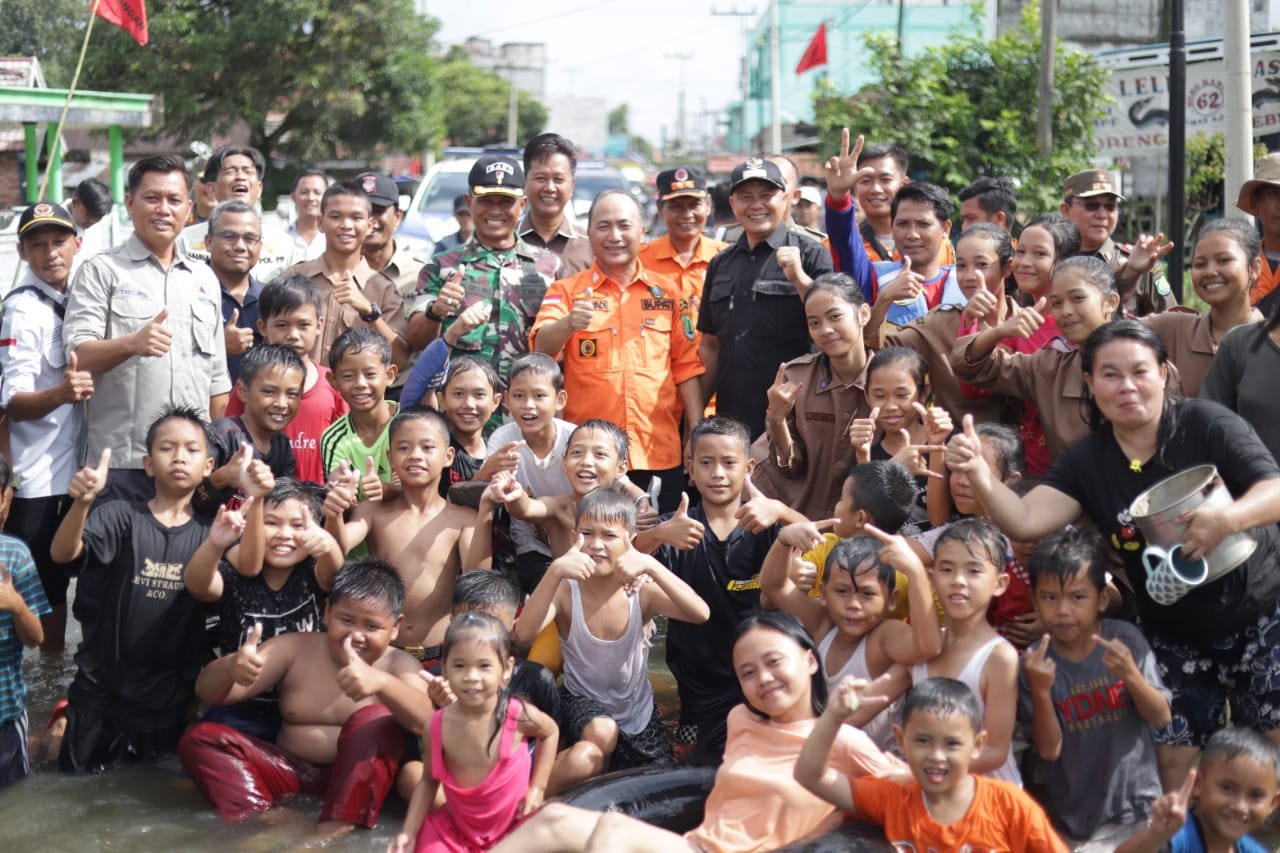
pixel 1137 120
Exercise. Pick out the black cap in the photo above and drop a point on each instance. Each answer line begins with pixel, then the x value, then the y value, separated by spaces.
pixel 45 213
pixel 494 174
pixel 683 180
pixel 756 169
pixel 381 190
pixel 459 203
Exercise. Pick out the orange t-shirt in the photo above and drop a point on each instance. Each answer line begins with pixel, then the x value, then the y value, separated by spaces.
pixel 1002 817
pixel 1267 281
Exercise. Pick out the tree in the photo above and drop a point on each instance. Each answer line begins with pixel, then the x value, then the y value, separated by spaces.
pixel 312 79
pixel 475 104
pixel 967 108
pixel 1206 170
pixel 620 119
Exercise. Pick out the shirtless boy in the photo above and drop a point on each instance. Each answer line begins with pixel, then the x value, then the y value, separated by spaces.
pixel 345 697
pixel 420 533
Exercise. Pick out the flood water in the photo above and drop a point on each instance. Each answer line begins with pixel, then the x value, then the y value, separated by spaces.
pixel 155 807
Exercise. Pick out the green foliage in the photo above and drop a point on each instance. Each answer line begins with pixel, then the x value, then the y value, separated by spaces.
pixel 967 108
pixel 48 29
pixel 1206 170
pixel 312 79
pixel 474 103
pixel 620 119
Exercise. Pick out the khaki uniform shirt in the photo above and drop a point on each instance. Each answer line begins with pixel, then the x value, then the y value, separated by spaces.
pixel 375 286
pixel 1188 338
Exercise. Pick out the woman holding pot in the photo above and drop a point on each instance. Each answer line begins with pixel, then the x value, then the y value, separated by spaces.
pixel 1220 642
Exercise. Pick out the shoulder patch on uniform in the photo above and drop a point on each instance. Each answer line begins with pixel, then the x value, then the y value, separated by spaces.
pixel 1162 285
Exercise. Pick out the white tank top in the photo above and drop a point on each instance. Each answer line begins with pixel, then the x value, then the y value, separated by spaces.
pixel 880 729
pixel 972 676
pixel 614 673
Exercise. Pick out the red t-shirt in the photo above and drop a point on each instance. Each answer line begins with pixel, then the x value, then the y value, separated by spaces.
pixel 320 406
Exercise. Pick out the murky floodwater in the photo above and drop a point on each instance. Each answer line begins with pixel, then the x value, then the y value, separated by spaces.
pixel 155 807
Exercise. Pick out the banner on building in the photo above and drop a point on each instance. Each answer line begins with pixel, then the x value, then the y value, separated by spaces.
pixel 1137 121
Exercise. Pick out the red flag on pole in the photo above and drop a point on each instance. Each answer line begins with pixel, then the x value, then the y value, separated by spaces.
pixel 816 53
pixel 130 15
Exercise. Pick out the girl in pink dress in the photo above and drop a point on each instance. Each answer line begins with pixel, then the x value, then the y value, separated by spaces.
pixel 477 748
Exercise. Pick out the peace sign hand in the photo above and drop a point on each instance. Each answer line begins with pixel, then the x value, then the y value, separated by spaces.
pixel 842 170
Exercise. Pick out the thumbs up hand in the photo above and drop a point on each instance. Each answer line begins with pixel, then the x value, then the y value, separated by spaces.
pixel 370 483
pixel 1025 322
pixel 228 525
pixel 153 339
pixel 89 482
pixel 573 564
pixel 76 384
pixel 759 512
pixel 582 312
pixel 357 679
pixel 964 453
pixel 238 340
pixel 249 661
pixel 681 531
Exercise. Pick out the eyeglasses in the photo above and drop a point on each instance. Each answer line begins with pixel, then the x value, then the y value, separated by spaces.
pixel 230 238
pixel 1092 205
pixel 233 171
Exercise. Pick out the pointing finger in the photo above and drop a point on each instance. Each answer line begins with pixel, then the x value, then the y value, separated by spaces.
pixel 779 379
pixel 826 523
pixel 844 143
pixel 878 533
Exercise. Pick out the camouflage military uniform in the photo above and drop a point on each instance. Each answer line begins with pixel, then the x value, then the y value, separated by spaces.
pixel 513 280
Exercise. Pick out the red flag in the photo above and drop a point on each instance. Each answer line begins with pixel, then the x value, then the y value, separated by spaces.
pixel 131 15
pixel 816 53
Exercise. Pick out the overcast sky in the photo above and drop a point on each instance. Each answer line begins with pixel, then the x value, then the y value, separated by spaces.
pixel 618 49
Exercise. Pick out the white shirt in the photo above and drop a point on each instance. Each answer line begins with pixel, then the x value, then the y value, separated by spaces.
pixel 277 255
pixel 541 478
pixel 302 250
pixel 46 451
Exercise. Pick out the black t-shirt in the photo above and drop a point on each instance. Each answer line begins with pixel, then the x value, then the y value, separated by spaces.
pixel 755 312
pixel 726 574
pixel 464 467
pixel 147 642
pixel 296 606
pixel 229 434
pixel 1096 473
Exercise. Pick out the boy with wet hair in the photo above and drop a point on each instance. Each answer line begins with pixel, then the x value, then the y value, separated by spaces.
pixel 353 449
pixel 602 594
pixel 1091 692
pixel 346 697
pixel 947 807
pixel 1235 789
pixel 144 640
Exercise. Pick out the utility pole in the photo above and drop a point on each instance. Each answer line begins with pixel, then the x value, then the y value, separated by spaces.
pixel 744 72
pixel 775 81
pixel 1177 143
pixel 1238 98
pixel 1048 59
pixel 682 58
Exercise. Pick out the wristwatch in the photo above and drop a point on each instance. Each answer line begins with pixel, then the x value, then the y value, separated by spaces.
pixel 375 311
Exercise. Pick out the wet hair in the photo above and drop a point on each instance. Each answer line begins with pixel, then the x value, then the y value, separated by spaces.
pixel 610 429
pixel 418 413
pixel 1093 271
pixel 1065 554
pixel 467 363
pixel 94 196
pixel 1235 741
pixel 881 150
pixel 1062 231
pixel 232 205
pixel 338 189
pixel 310 173
pixel 943 697
pixel 539 364
pixel 358 340
pixel 162 163
pixel 369 579
pixel 980 538
pixel 486 628
pixel 925 193
pixel 214 164
pixel 791 628
pixel 546 145
pixel 721 425
pixel 909 359
pixel 287 293
pixel 609 193
pixel 994 195
pixel 484 589
pixel 841 285
pixel 884 490
pixel 852 555
pixel 310 495
pixel 267 357
pixel 1125 330
pixel 1242 233
pixel 607 506
pixel 179 413
pixel 993 234
pixel 1007 446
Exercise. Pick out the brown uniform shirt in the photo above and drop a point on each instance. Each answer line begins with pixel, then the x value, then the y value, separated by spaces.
pixel 572 246
pixel 810 481
pixel 376 287
pixel 1188 338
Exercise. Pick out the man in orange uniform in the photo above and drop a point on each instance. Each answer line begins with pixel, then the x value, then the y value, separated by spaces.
pixel 1260 197
pixel 618 329
pixel 683 252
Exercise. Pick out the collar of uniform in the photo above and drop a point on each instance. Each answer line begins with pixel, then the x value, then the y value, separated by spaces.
pixel 829 381
pixel 29 279
pixel 776 240
pixel 1108 251
pixel 599 277
pixel 665 250
pixel 134 250
pixel 567 229
pixel 317 266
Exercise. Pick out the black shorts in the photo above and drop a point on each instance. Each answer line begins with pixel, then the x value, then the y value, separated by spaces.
pixel 13 750
pixel 103 732
pixel 646 748
pixel 35 521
